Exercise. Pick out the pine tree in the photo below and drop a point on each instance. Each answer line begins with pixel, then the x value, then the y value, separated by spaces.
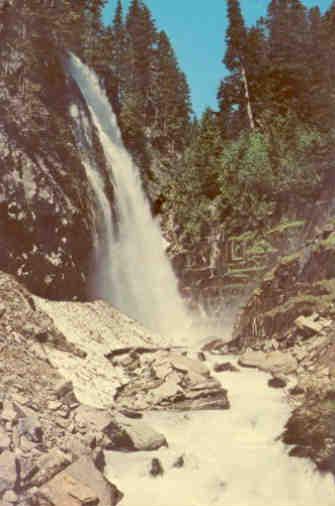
pixel 206 158
pixel 92 31
pixel 170 97
pixel 235 58
pixel 117 50
pixel 141 37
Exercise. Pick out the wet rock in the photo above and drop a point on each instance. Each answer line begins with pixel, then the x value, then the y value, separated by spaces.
pixel 187 365
pixel 131 414
pixel 201 356
pixel 311 429
pixel 133 435
pixel 98 458
pixel 227 366
pixel 215 346
pixel 276 362
pixel 301 452
pixel 277 382
pixel 296 390
pixel 180 462
pixel 156 468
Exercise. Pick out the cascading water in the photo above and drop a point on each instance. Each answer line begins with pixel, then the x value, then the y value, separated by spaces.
pixel 231 458
pixel 138 277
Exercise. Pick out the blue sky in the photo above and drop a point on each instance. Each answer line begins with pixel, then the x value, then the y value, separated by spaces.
pixel 197 29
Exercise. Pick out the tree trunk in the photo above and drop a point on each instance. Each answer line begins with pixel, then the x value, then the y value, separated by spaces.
pixel 247 97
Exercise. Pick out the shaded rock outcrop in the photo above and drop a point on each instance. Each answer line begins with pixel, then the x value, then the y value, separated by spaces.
pixel 47 208
pixel 48 456
pixel 288 327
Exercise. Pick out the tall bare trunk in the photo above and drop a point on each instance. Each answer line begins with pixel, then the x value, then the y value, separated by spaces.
pixel 247 97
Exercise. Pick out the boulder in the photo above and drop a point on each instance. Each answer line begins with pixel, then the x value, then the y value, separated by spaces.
pixel 131 414
pixel 215 346
pixel 276 362
pixel 81 483
pixel 156 468
pixel 226 366
pixel 89 480
pixel 133 435
pixel 180 462
pixel 277 382
pixel 296 390
pixel 186 365
pixel 66 490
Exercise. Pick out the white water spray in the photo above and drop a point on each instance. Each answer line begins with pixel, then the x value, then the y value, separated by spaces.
pixel 231 458
pixel 138 277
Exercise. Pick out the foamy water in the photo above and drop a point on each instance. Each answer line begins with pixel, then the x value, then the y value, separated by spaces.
pixel 232 457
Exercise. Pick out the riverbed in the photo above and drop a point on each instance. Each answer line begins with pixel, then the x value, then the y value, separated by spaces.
pixel 230 458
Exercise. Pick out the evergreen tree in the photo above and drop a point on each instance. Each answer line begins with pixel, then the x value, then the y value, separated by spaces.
pixel 141 37
pixel 170 97
pixel 207 153
pixel 235 58
pixel 117 51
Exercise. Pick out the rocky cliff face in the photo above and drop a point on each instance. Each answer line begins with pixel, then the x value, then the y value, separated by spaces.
pixel 288 327
pixel 47 209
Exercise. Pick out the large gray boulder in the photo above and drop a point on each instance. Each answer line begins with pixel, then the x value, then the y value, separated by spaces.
pixel 134 435
pixel 276 362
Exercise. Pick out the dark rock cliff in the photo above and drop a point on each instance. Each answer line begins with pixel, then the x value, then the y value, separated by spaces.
pixel 291 315
pixel 47 209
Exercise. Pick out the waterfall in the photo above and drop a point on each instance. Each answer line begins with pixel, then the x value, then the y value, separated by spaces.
pixel 137 276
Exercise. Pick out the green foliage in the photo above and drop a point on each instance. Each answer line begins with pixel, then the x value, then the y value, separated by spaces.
pixel 256 177
pixel 262 168
pixel 236 37
pixel 153 98
pixel 289 62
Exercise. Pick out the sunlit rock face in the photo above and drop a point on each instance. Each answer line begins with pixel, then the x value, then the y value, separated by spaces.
pixel 47 211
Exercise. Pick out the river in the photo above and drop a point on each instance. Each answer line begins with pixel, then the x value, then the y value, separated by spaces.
pixel 231 458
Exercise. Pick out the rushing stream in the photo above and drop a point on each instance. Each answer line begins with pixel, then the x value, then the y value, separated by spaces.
pixel 231 457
